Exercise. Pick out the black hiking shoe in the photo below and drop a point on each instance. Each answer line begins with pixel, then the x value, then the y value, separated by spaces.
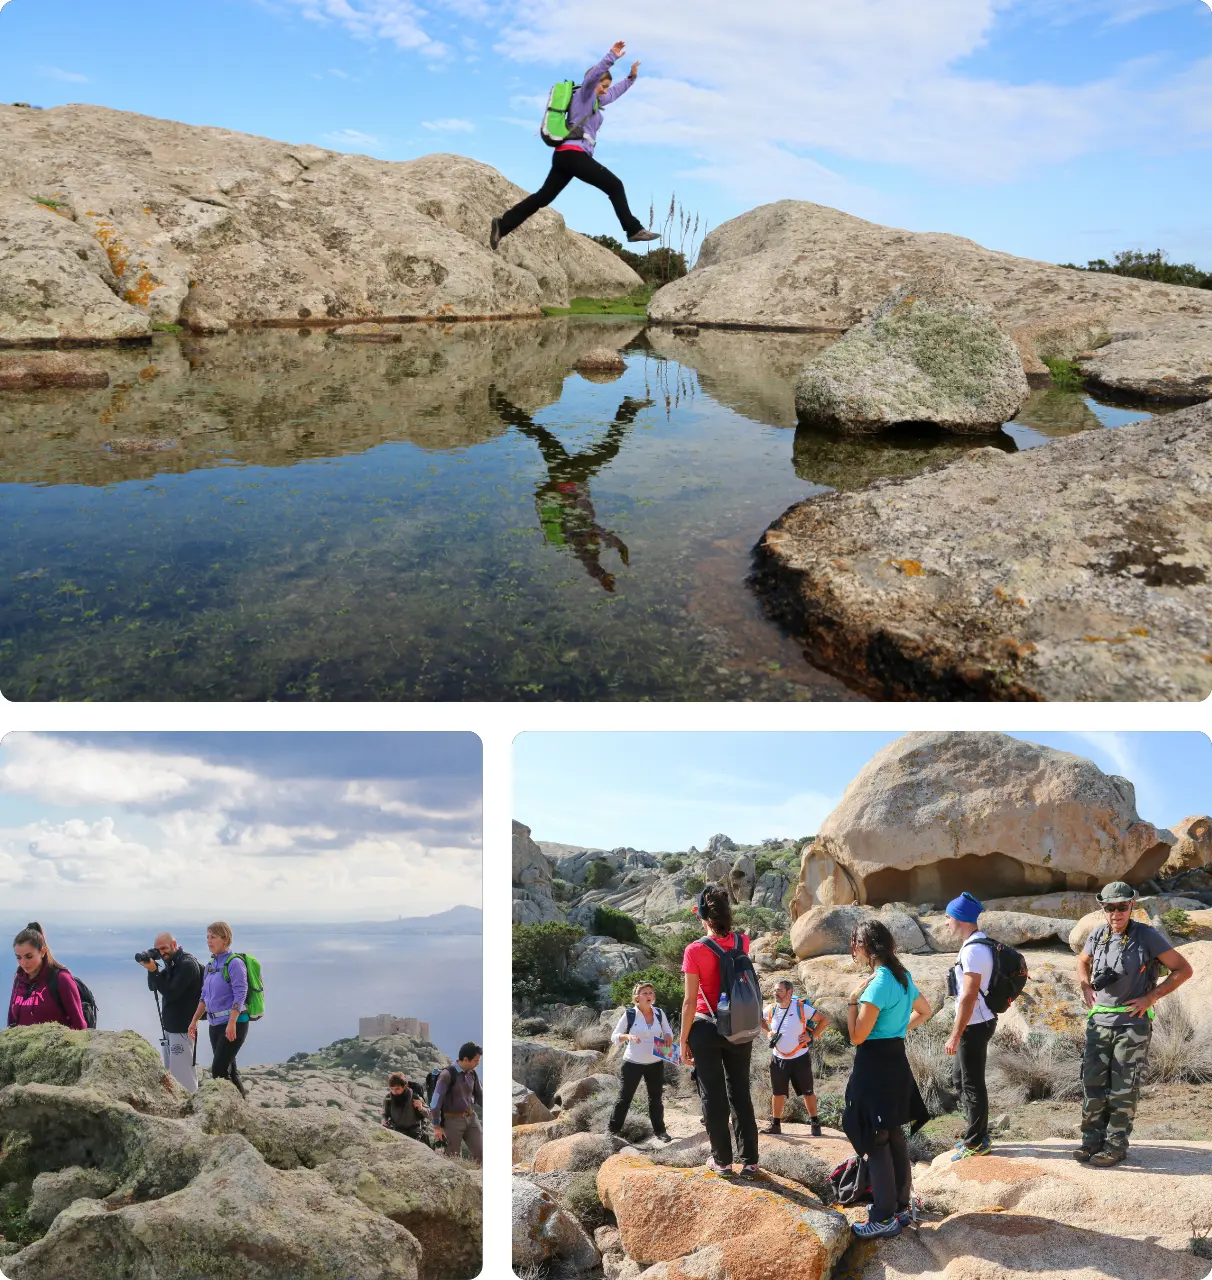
pixel 494 234
pixel 816 1127
pixel 637 237
pixel 775 1126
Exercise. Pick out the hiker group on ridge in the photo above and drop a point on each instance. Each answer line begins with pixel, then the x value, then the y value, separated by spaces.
pixel 1119 971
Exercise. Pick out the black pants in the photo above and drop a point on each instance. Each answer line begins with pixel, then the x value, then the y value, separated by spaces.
pixel 223 1053
pixel 970 1078
pixel 723 1071
pixel 566 165
pixel 891 1173
pixel 653 1075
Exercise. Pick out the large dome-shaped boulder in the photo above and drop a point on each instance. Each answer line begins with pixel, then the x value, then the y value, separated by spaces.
pixel 1193 846
pixel 933 814
pixel 533 902
pixel 928 354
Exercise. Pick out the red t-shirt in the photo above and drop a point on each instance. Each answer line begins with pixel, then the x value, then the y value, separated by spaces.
pixel 699 958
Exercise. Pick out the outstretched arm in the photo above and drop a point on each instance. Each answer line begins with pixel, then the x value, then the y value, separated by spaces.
pixel 586 95
pixel 620 87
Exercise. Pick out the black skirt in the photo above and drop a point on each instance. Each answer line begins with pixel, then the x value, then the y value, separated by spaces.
pixel 881 1093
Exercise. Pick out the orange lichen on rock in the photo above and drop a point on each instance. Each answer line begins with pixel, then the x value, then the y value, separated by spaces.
pixel 139 294
pixel 910 568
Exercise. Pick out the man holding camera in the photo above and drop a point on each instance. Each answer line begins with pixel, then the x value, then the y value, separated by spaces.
pixel 1118 969
pixel 179 986
pixel 791 1024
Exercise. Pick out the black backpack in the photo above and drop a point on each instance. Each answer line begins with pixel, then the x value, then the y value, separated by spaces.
pixel 431 1083
pixel 739 1020
pixel 661 1020
pixel 851 1182
pixel 88 1002
pixel 1008 978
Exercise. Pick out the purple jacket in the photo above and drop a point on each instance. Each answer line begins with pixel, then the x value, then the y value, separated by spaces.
pixel 581 112
pixel 220 997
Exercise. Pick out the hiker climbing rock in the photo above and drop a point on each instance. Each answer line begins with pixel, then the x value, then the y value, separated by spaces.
pixel 456 1096
pixel 571 124
pixel 1118 969
pixel 563 502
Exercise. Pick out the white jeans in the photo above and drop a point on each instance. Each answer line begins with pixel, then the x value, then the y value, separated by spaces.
pixel 178 1058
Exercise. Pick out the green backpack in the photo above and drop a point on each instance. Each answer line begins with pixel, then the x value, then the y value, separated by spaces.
pixel 556 128
pixel 256 989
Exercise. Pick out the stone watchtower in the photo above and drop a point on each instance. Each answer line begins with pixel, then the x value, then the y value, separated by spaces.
pixel 387 1024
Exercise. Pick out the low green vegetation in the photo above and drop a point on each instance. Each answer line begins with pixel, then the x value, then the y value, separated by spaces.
pixel 610 922
pixel 635 304
pixel 695 884
pixel 668 988
pixel 762 865
pixel 670 865
pixel 1149 266
pixel 49 203
pixel 655 268
pixel 1178 923
pixel 162 326
pixel 755 920
pixel 15 1226
pixel 1065 374
pixel 540 963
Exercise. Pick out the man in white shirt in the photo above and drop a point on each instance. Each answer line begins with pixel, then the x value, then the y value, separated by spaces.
pixel 974 1024
pixel 791 1023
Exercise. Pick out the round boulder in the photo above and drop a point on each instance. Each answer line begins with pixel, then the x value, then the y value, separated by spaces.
pixel 544 1232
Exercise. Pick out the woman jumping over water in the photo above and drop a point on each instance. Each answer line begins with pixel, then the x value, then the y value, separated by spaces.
pixel 574 158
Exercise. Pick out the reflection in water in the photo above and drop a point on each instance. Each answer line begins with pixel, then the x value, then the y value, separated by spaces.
pixel 565 509
pixel 358 521
pixel 853 462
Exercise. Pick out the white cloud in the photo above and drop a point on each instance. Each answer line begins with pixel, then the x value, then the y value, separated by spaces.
pixel 60 771
pixel 449 125
pixel 396 21
pixel 375 795
pixel 57 73
pixel 352 138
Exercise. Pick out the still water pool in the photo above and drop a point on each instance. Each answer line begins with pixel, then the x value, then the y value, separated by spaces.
pixel 457 516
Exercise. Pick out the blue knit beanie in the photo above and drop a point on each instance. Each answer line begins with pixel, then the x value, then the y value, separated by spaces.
pixel 965 908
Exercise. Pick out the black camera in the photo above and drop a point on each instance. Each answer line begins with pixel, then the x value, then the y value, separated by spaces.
pixel 142 957
pixel 1101 980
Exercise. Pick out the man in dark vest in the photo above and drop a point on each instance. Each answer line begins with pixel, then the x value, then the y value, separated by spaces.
pixel 179 986
pixel 454 1102
pixel 1118 969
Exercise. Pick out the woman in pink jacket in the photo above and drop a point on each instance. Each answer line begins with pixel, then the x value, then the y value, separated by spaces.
pixel 43 990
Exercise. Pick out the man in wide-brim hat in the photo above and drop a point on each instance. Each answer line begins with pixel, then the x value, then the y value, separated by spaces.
pixel 1119 970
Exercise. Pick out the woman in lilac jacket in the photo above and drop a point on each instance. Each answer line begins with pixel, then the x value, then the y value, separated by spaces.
pixel 224 1004
pixel 43 990
pixel 574 158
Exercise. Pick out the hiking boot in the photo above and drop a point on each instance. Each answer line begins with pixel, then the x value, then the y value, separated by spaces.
pixel 1107 1157
pixel 494 233
pixel 877 1230
pixel 724 1170
pixel 1083 1155
pixel 815 1127
pixel 637 237
pixel 662 1137
pixel 775 1126
pixel 981 1149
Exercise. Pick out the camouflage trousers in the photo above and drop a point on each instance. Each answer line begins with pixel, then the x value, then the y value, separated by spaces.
pixel 1112 1065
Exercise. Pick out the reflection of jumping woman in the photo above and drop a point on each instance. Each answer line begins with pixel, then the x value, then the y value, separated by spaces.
pixel 574 158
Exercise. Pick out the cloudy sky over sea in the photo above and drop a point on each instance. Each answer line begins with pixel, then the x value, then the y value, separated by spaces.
pixel 1041 127
pixel 666 791
pixel 293 827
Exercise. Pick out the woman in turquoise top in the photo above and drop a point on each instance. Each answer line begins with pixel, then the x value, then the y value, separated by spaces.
pixel 882 1095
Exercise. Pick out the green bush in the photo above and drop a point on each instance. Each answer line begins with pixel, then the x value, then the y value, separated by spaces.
pixel 695 884
pixel 1065 374
pixel 610 922
pixel 762 865
pixel 540 963
pixel 599 875
pixel 1178 923
pixel 671 865
pixel 581 1198
pixel 756 920
pixel 670 947
pixel 561 890
pixel 658 265
pixel 1149 266
pixel 669 988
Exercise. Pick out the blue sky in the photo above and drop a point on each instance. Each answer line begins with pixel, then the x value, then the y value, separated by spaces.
pixel 1058 129
pixel 666 791
pixel 322 826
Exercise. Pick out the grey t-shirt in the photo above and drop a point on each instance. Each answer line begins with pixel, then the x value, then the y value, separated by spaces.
pixel 1129 955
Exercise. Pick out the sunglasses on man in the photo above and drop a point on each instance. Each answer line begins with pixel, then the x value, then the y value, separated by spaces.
pixel 1112 907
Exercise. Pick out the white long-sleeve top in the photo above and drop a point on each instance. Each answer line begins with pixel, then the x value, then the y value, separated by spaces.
pixel 643 1052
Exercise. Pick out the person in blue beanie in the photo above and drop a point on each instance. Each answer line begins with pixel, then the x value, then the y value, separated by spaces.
pixel 974 1025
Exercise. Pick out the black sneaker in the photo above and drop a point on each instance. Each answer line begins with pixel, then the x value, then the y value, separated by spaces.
pixel 816 1128
pixel 494 233
pixel 662 1137
pixel 775 1126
